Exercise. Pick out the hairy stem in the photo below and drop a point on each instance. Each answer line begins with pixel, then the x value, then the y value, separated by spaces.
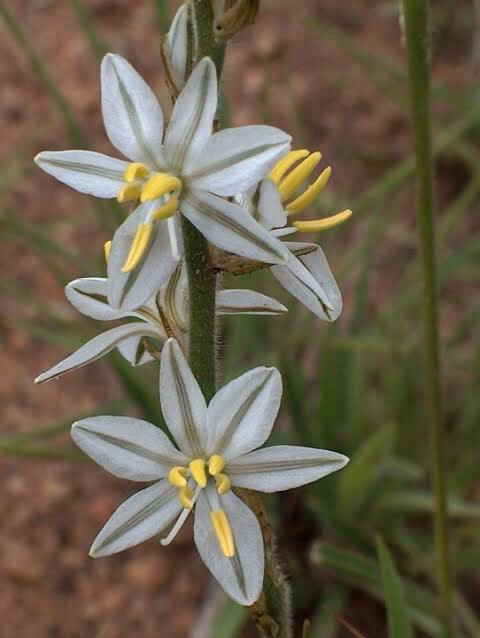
pixel 417 33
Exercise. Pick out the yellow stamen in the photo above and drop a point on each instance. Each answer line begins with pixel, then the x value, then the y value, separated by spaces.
pixel 197 468
pixel 317 225
pixel 223 483
pixel 158 185
pixel 138 247
pixel 282 166
pixel 129 192
pixel 223 532
pixel 167 210
pixel 135 170
pixel 216 464
pixel 292 181
pixel 107 247
pixel 177 476
pixel 312 192
pixel 185 495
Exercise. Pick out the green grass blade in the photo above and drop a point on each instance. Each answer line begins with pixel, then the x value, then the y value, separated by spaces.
pixel 230 620
pixel 82 12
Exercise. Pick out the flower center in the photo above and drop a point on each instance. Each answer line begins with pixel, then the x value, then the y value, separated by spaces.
pixel 182 477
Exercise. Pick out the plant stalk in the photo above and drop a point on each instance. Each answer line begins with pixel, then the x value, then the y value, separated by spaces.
pixel 417 38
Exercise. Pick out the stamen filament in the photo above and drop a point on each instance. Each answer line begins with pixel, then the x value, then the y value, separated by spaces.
pixel 216 464
pixel 158 185
pixel 180 520
pixel 292 181
pixel 167 210
pixel 172 234
pixel 197 469
pixel 135 170
pixel 312 192
pixel 138 247
pixel 282 166
pixel 223 532
pixel 316 225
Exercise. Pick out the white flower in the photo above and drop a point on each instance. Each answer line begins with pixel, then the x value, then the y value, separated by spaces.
pixel 163 316
pixel 217 450
pixel 306 275
pixel 187 169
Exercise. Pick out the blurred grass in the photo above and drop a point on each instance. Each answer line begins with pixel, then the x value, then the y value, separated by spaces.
pixel 354 388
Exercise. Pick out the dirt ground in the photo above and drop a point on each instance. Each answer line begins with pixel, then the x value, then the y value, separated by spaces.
pixel 50 512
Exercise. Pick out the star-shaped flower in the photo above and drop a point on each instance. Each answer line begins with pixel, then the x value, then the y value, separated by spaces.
pixel 217 450
pixel 163 316
pixel 186 168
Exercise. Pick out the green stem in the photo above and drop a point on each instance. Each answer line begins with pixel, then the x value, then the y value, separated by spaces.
pixel 417 33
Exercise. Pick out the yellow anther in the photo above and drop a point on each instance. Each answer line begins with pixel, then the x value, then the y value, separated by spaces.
pixel 312 192
pixel 317 225
pixel 223 532
pixel 138 247
pixel 216 464
pixel 134 171
pixel 282 166
pixel 197 469
pixel 177 476
pixel 223 483
pixel 185 495
pixel 167 210
pixel 292 181
pixel 107 247
pixel 129 192
pixel 158 185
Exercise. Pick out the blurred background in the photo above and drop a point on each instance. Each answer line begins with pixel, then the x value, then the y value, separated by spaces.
pixel 333 74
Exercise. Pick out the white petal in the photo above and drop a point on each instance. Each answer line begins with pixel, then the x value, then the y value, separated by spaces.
pixel 192 117
pixel 89 296
pixel 85 171
pixel 183 405
pixel 230 227
pixel 310 280
pixel 283 467
pixel 96 348
pixel 176 46
pixel 247 302
pixel 142 516
pixel 241 415
pixel 173 298
pixel 236 158
pixel 130 290
pixel 241 576
pixel 131 113
pixel 134 351
pixel 126 447
pixel 270 208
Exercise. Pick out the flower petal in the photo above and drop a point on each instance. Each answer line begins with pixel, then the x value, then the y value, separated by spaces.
pixel 130 290
pixel 134 351
pixel 310 280
pixel 85 171
pixel 96 348
pixel 241 415
pixel 176 46
pixel 283 467
pixel 142 516
pixel 131 113
pixel 89 296
pixel 192 117
pixel 126 447
pixel 182 401
pixel 230 227
pixel 235 159
pixel 241 576
pixel 270 208
pixel 247 302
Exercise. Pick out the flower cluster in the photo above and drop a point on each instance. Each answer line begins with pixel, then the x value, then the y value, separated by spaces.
pixel 239 187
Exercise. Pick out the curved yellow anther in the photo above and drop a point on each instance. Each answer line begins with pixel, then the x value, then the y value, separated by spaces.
pixel 223 532
pixel 167 210
pixel 223 483
pixel 282 166
pixel 107 247
pixel 158 185
pixel 216 463
pixel 129 192
pixel 185 496
pixel 138 247
pixel 197 469
pixel 317 225
pixel 292 181
pixel 312 192
pixel 177 476
pixel 135 170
